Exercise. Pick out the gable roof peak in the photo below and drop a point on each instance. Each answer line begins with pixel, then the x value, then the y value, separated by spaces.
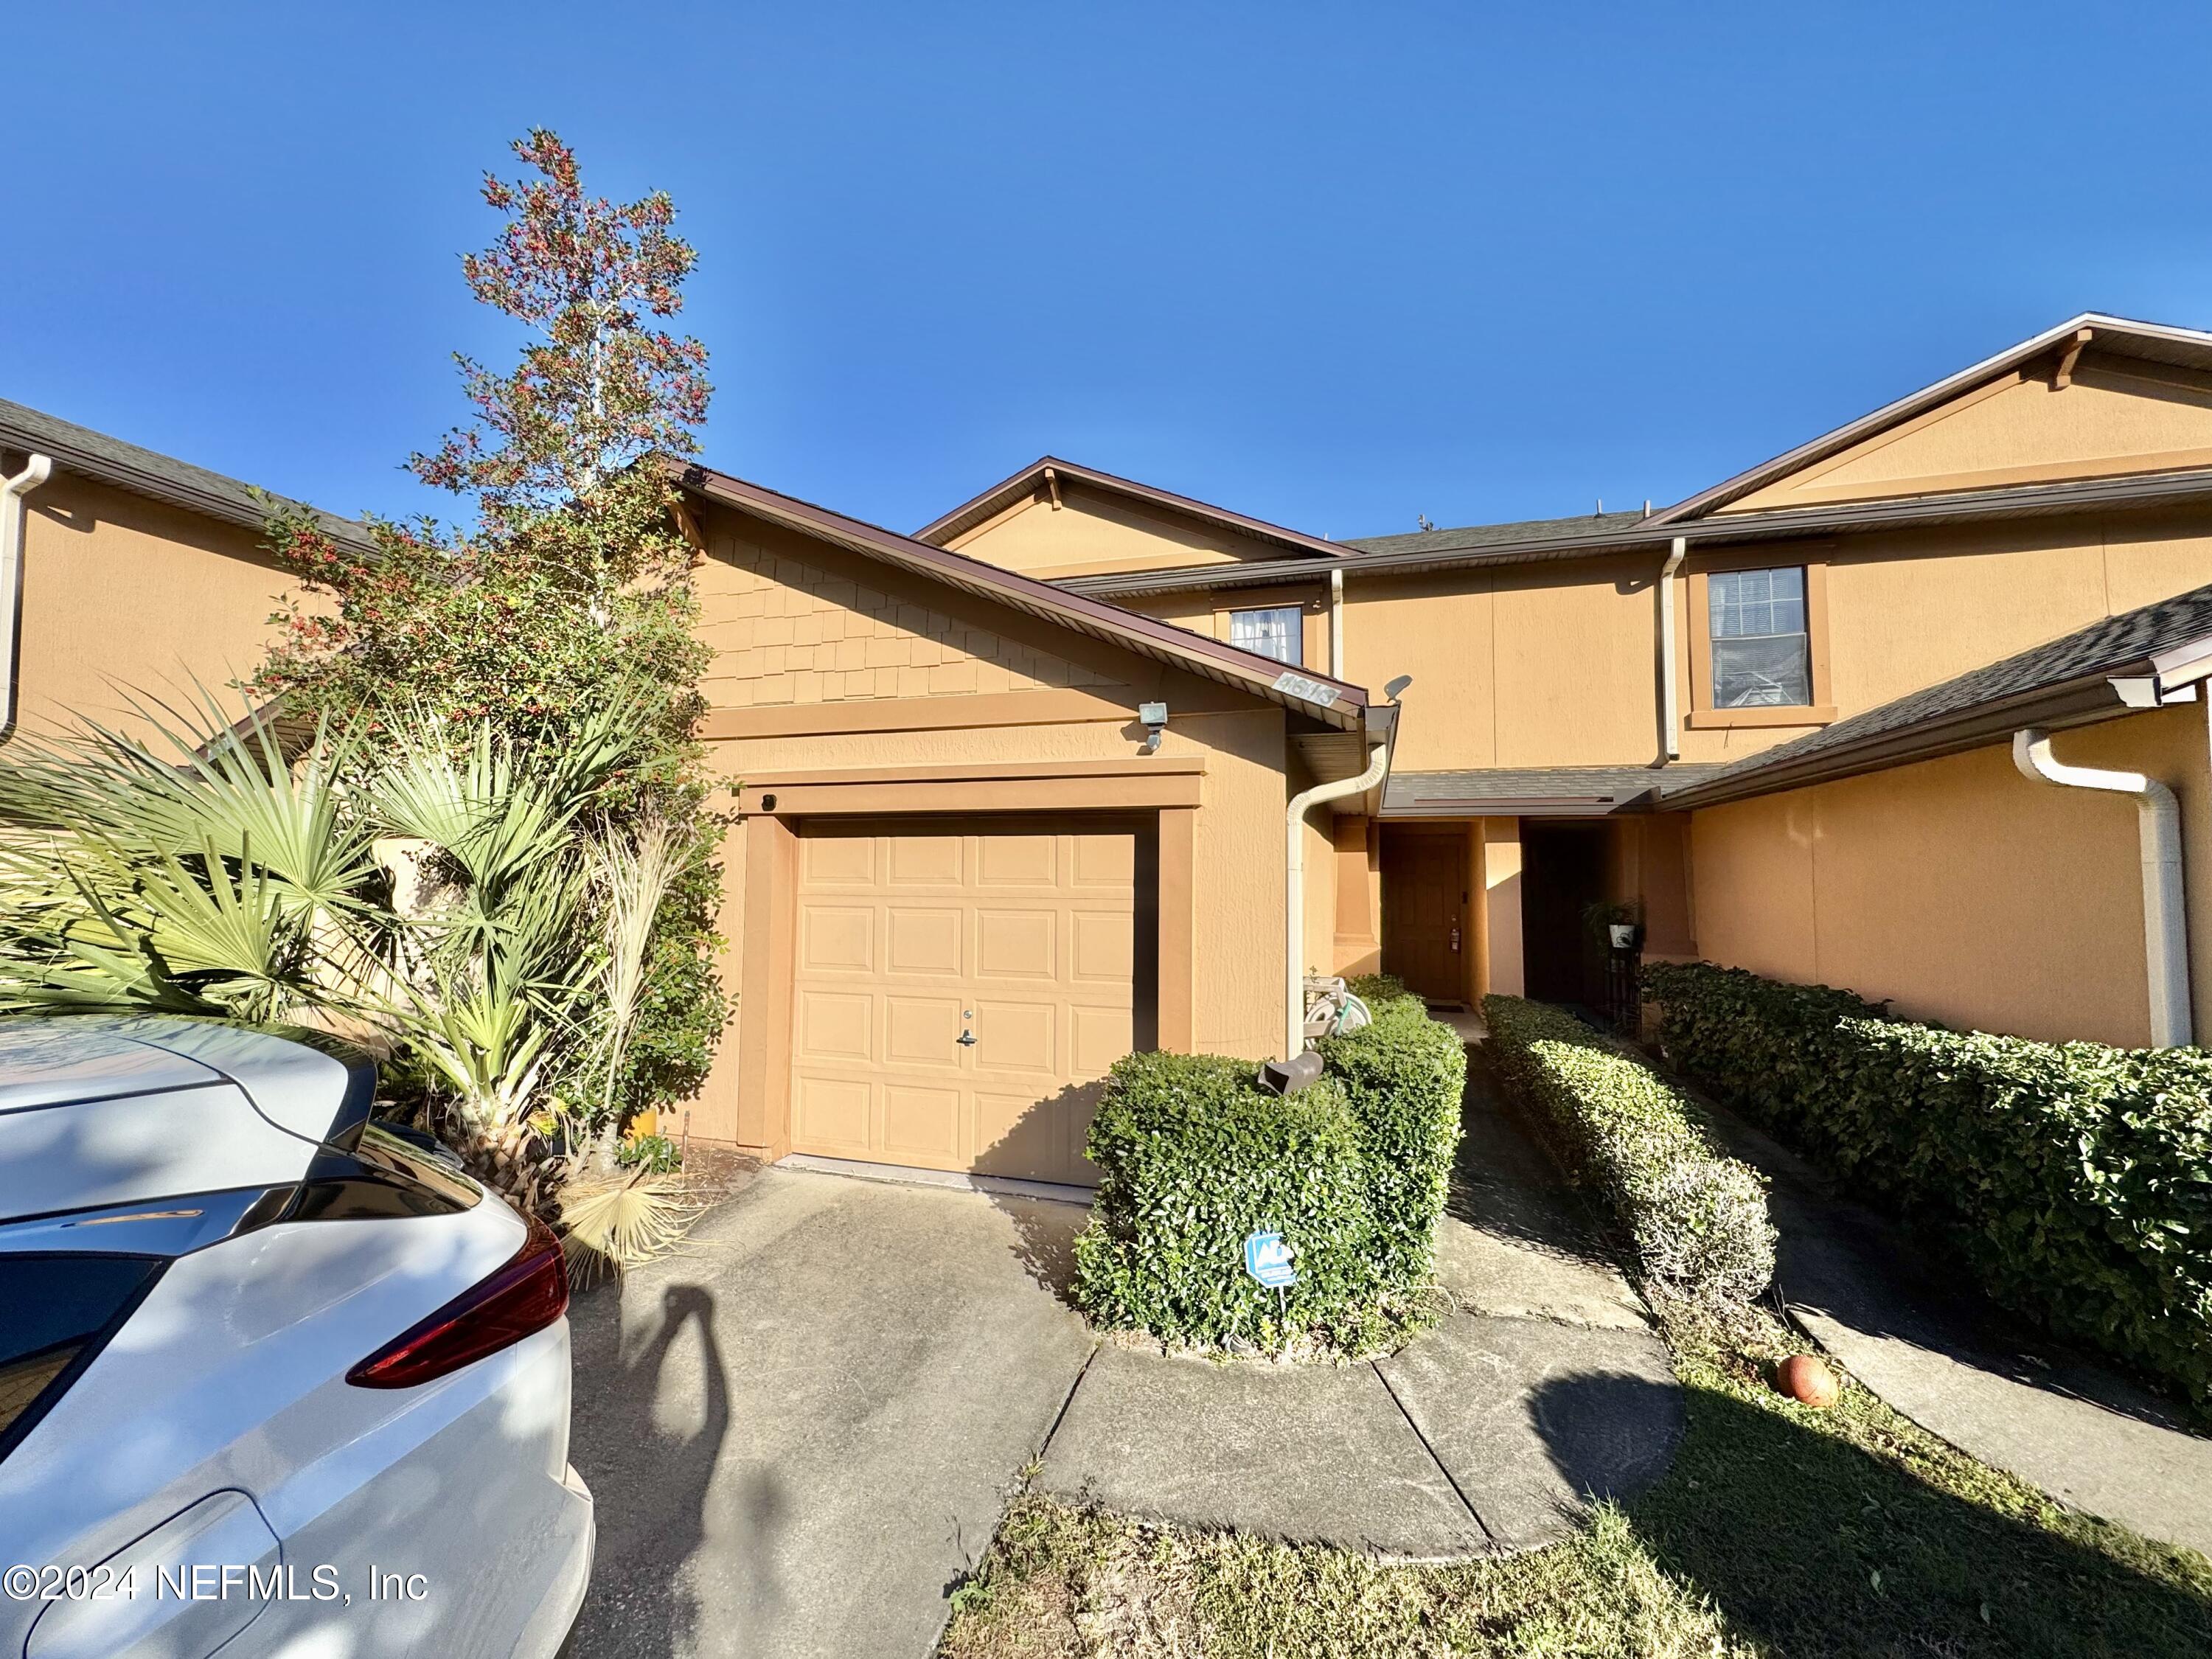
pixel 2157 342
pixel 1050 471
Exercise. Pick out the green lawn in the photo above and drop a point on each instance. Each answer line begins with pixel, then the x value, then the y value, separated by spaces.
pixel 1778 1530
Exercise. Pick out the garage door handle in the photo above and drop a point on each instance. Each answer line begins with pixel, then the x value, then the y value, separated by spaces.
pixel 966 1039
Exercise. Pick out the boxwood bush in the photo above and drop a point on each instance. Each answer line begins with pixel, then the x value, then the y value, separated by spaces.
pixel 2077 1178
pixel 1351 1170
pixel 1698 1218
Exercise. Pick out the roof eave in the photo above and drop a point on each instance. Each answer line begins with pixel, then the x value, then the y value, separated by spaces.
pixel 2084 699
pixel 1332 702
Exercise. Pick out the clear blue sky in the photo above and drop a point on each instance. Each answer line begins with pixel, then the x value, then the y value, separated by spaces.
pixel 1331 265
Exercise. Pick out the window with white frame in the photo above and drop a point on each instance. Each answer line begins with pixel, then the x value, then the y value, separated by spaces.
pixel 1762 654
pixel 1278 631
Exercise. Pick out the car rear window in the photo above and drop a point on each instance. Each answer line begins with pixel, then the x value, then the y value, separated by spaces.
pixel 57 1311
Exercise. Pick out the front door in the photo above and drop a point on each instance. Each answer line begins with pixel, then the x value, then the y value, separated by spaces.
pixel 1425 893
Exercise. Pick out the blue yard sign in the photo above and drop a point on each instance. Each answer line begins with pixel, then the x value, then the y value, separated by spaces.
pixel 1268 1259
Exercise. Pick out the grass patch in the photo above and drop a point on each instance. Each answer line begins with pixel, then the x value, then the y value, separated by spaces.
pixel 1778 1531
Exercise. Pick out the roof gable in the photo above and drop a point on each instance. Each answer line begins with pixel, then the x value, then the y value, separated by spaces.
pixel 2096 397
pixel 1057 519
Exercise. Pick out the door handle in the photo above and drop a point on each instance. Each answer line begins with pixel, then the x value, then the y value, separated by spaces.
pixel 966 1039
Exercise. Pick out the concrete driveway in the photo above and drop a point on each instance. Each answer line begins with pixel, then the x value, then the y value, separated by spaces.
pixel 801 1431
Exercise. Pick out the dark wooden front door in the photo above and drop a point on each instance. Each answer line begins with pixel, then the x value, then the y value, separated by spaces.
pixel 1425 892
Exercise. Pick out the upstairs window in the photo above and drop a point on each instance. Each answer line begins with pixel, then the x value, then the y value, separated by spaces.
pixel 1278 631
pixel 1762 653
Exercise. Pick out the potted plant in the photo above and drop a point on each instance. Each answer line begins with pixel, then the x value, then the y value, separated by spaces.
pixel 1613 921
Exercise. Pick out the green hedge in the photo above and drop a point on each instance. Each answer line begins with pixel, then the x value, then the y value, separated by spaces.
pixel 1403 1078
pixel 2077 1178
pixel 1351 1171
pixel 1698 1219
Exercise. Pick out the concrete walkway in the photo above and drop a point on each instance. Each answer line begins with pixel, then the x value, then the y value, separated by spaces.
pixel 802 1431
pixel 1906 1325
pixel 1543 1388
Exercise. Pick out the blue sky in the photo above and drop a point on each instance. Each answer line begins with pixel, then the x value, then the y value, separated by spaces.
pixel 1335 265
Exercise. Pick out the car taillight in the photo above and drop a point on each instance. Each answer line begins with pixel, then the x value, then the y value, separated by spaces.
pixel 526 1294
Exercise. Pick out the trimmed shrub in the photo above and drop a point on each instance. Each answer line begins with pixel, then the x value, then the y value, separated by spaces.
pixel 1194 1159
pixel 1353 1171
pixel 1697 1219
pixel 2077 1179
pixel 1403 1078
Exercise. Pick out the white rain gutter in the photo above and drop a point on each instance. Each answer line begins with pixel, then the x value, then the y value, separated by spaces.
pixel 13 512
pixel 2165 924
pixel 1336 623
pixel 1669 714
pixel 1294 891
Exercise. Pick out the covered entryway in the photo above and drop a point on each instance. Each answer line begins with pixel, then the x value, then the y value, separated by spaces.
pixel 959 986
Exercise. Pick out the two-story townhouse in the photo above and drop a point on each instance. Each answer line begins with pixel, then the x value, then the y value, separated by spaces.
pixel 1707 712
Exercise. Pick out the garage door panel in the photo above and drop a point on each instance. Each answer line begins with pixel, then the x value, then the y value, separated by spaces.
pixel 921 1124
pixel 834 1115
pixel 836 938
pixel 922 1031
pixel 1017 1037
pixel 1097 1038
pixel 834 1025
pixel 1017 944
pixel 911 933
pixel 1105 948
pixel 1022 1134
pixel 924 941
pixel 838 860
pixel 920 860
pixel 1017 860
pixel 1105 862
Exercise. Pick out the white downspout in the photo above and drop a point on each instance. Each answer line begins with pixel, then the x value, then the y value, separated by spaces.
pixel 2165 924
pixel 1294 892
pixel 36 470
pixel 1669 714
pixel 1336 623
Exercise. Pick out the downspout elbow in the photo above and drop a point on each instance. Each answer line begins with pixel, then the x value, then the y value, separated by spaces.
pixel 2166 918
pixel 1294 889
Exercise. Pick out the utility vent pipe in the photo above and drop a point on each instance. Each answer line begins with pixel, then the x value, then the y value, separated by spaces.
pixel 36 470
pixel 2165 923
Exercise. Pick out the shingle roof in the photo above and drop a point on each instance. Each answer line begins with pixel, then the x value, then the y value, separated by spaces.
pixel 1484 535
pixel 146 472
pixel 2066 681
pixel 1528 789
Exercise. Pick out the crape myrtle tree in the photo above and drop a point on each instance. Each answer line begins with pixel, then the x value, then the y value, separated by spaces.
pixel 568 586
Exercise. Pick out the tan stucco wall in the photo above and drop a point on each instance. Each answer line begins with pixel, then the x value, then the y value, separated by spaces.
pixel 1091 531
pixel 2116 416
pixel 1501 968
pixel 1960 889
pixel 125 594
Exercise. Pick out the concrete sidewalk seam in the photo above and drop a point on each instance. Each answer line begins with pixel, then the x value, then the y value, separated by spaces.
pixel 1066 1401
pixel 1473 1512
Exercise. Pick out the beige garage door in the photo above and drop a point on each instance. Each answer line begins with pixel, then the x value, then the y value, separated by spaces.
pixel 913 936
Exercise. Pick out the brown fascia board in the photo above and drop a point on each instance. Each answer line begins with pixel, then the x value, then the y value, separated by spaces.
pixel 1003 495
pixel 2138 489
pixel 2085 701
pixel 1346 708
pixel 2159 341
